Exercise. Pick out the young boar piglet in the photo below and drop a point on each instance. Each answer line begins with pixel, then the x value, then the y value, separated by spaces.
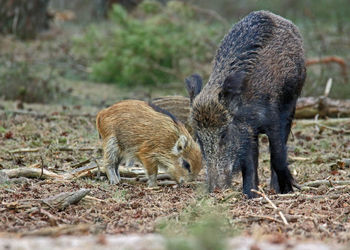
pixel 258 74
pixel 133 129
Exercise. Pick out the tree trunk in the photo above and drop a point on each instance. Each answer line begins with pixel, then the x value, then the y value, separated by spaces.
pixel 23 18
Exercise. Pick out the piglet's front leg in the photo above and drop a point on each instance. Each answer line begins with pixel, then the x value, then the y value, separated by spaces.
pixel 151 170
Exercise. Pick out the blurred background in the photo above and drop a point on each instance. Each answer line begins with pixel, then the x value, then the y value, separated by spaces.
pixel 93 52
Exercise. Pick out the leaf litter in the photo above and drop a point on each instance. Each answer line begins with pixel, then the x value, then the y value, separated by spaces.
pixel 63 140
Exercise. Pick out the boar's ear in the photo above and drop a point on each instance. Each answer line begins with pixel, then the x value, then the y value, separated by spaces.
pixel 193 85
pixel 180 145
pixel 232 87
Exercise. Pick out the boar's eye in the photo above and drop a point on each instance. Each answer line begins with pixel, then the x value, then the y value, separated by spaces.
pixel 186 166
pixel 223 137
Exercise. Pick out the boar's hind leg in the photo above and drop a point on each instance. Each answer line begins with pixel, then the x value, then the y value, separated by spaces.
pixel 281 178
pixel 286 118
pixel 111 159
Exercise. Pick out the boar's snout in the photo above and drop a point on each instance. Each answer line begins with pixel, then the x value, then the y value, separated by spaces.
pixel 218 175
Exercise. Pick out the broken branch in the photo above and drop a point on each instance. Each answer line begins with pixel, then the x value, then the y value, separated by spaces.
pixel 318 183
pixel 63 200
pixel 330 59
pixel 31 173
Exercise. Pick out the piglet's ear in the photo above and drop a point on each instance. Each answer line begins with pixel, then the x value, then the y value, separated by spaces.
pixel 232 87
pixel 180 145
pixel 193 85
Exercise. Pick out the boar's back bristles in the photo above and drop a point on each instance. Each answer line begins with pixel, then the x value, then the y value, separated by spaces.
pixel 210 114
pixel 264 54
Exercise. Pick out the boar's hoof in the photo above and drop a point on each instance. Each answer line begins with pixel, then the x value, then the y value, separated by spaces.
pixel 288 188
pixel 251 195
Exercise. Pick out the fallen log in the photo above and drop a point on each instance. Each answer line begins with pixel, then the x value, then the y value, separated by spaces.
pixel 309 107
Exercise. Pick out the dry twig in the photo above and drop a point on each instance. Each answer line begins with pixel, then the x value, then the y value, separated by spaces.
pixel 261 193
pixel 24 150
pixel 261 217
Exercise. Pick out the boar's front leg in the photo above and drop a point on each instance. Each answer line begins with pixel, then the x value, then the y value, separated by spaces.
pixel 111 160
pixel 281 178
pixel 250 169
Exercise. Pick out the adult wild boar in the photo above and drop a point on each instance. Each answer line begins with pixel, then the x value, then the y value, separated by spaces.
pixel 258 74
pixel 133 129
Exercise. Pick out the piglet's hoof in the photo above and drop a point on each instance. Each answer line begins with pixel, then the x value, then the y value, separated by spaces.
pixel 114 181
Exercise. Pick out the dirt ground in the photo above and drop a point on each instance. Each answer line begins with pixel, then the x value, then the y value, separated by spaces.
pixel 65 138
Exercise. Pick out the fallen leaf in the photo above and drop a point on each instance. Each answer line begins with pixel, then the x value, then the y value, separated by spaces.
pixel 8 135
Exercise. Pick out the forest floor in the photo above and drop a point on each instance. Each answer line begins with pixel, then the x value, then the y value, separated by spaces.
pixel 63 138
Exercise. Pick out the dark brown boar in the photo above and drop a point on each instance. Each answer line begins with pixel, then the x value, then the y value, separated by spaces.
pixel 258 74
pixel 133 129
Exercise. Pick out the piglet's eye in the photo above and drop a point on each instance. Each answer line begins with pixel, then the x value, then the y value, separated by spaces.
pixel 186 166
